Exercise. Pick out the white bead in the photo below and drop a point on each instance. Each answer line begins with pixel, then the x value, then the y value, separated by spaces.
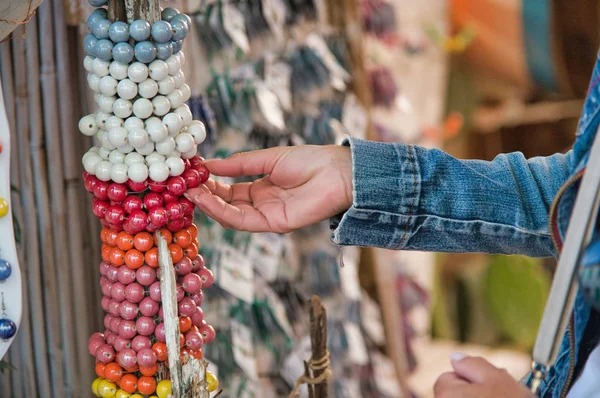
pixel 108 85
pixel 176 99
pixel 91 162
pixel 133 122
pixel 133 157
pixel 166 146
pixel 142 108
pixel 104 153
pixel 103 170
pixel 159 172
pixel 88 63
pixel 88 125
pixel 179 78
pixel 94 82
pixel 176 154
pixel 185 113
pixel 173 122
pixel 100 67
pixel 101 118
pixel 118 70
pixel 186 92
pixel 113 122
pixel 146 149
pixel 117 136
pixel 127 89
pixel 185 142
pixel 198 131
pixel 158 70
pixel 94 149
pixel 119 173
pixel 106 103
pixel 116 157
pixel 122 108
pixel 154 157
pixel 181 57
pixel 174 64
pixel 190 154
pixel 102 136
pixel 157 131
pixel 127 148
pixel 138 72
pixel 161 105
pixel 138 172
pixel 166 85
pixel 148 88
pixel 96 97
pixel 138 137
pixel 152 120
pixel 175 165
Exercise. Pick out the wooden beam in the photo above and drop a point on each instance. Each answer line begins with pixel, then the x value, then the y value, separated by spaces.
pixel 131 10
pixel 14 13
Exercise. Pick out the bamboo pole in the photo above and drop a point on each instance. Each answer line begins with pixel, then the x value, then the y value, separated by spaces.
pixel 318 340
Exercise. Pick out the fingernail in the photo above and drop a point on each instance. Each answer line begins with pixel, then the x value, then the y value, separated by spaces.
pixel 458 356
pixel 197 199
pixel 187 196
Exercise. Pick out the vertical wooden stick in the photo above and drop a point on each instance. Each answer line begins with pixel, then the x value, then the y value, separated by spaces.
pixel 311 392
pixel 318 340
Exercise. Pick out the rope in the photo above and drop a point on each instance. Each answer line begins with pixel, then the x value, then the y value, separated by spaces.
pixel 320 364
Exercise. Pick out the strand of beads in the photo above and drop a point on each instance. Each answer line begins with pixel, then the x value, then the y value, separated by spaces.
pixel 144 163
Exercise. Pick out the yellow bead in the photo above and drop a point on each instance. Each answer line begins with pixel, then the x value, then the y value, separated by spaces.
pixel 137 396
pixel 163 388
pixel 212 381
pixel 122 394
pixel 95 386
pixel 107 389
pixel 3 207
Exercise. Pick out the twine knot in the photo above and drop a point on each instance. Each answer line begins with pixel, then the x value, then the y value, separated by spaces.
pixel 321 364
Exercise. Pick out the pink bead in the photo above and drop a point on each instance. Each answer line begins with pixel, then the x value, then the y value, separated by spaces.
pixel 122 344
pixel 155 291
pixel 157 186
pixel 132 203
pixel 115 227
pixel 104 303
pixel 103 267
pixel 115 323
pixel 159 332
pixel 198 298
pixel 175 225
pixel 183 267
pixel 186 307
pixel 152 200
pixel 115 215
pixel 208 333
pixel 99 207
pixel 106 321
pixel 140 342
pixel 127 358
pixel 179 292
pixel 149 307
pixel 187 221
pixel 145 325
pixel 117 291
pixel 194 340
pixel 112 273
pixel 128 310
pixel 101 190
pixel 137 186
pixel 105 353
pixel 126 275
pixel 197 263
pixel 192 283
pixel 110 337
pixel 134 292
pixel 192 178
pixel 168 197
pixel 146 357
pixel 161 313
pixel 106 286
pixel 186 205
pixel 117 192
pixel 96 336
pixel 145 275
pixel 176 185
pixel 93 345
pixel 127 329
pixel 113 307
pixel 174 211
pixel 207 277
pixel 198 317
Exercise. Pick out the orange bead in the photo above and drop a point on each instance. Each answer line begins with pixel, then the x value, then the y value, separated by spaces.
pixel 181 340
pixel 185 323
pixel 160 349
pixel 132 369
pixel 103 232
pixel 182 238
pixel 196 242
pixel 166 234
pixel 149 371
pixel 124 241
pixel 129 383
pixel 114 372
pixel 198 354
pixel 146 385
pixel 106 250
pixel 111 237
pixel 117 257
pixel 191 251
pixel 151 257
pixel 100 367
pixel 134 259
pixel 193 230
pixel 143 241
pixel 176 252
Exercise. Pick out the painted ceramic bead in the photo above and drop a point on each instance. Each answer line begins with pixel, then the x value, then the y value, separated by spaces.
pixel 116 157
pixel 174 64
pixel 103 170
pixel 177 46
pixel 155 157
pixel 168 13
pixel 89 44
pixel 175 165
pixel 95 16
pixel 127 89
pixel 119 173
pixel 117 136
pixel 93 81
pixel 145 51
pixel 139 30
pixel 122 108
pixel 166 85
pixel 158 70
pixel 88 125
pixel 132 158
pixel 138 137
pixel 101 118
pixel 133 122
pixel 161 105
pixel 113 122
pixel 179 78
pixel 127 148
pixel 128 357
pixel 159 172
pixel 166 146
pixel 157 131
pixel 180 27
pixel 101 190
pixel 101 67
pixel 118 70
pixel 138 172
pixel 176 185
pixel 185 142
pixel 140 342
pixel 145 325
pixel 101 28
pixel 91 162
pixel 5 270
pixel 197 130
pixel 193 339
pixel 208 333
pixel 148 88
pixel 108 86
pixel 173 122
pixel 105 103
pixel 142 108
pixel 164 50
pixel 146 149
pixel 145 275
pixel 123 52
pixel 117 192
pixel 176 98
pixel 146 357
pixel 162 31
pixel 118 32
pixel 138 72
pixel 104 49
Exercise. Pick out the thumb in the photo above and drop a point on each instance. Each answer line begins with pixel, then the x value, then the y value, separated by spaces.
pixel 473 369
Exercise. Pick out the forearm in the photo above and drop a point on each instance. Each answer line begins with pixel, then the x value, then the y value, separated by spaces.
pixel 411 198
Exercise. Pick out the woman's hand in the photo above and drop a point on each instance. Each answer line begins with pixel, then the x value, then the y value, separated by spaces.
pixel 474 377
pixel 303 185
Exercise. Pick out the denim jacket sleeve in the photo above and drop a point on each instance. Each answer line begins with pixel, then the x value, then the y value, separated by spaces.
pixel 412 198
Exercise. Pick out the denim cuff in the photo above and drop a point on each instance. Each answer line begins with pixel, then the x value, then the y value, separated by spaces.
pixel 385 196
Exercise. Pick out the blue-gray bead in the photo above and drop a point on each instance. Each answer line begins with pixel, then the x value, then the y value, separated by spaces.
pixel 89 44
pixel 177 45
pixel 145 51
pixel 180 28
pixel 100 28
pixel 139 30
pixel 97 3
pixel 168 14
pixel 123 52
pixel 183 17
pixel 162 31
pixel 119 32
pixel 104 49
pixel 164 50
pixel 5 270
pixel 96 15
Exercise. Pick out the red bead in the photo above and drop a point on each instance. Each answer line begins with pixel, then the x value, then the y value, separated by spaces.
pixel 127 358
pixel 101 190
pixel 140 342
pixel 192 178
pixel 207 277
pixel 175 225
pixel 115 227
pixel 196 161
pixel 132 203
pixel 99 207
pixel 145 325
pixel 153 200
pixel 134 292
pixel 156 186
pixel 117 192
pixel 137 186
pixel 186 164
pixel 176 185
pixel 90 182
pixel 127 329
pixel 208 333
pixel 105 353
pixel 152 228
pixel 138 220
pixel 128 310
pixel 158 216
pixel 187 205
pixel 204 173
pixel 104 223
pixel 187 221
pixel 174 211
pixel 115 215
pixel 168 197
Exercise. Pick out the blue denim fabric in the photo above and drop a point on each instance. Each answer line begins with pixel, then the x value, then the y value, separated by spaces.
pixel 412 198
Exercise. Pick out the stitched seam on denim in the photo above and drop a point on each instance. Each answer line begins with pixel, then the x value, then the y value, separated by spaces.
pixel 409 149
pixel 581 131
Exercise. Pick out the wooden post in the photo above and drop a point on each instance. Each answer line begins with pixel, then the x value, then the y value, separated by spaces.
pixel 318 340
pixel 130 10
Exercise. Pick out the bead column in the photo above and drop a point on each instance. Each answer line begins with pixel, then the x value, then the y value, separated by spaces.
pixel 145 161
